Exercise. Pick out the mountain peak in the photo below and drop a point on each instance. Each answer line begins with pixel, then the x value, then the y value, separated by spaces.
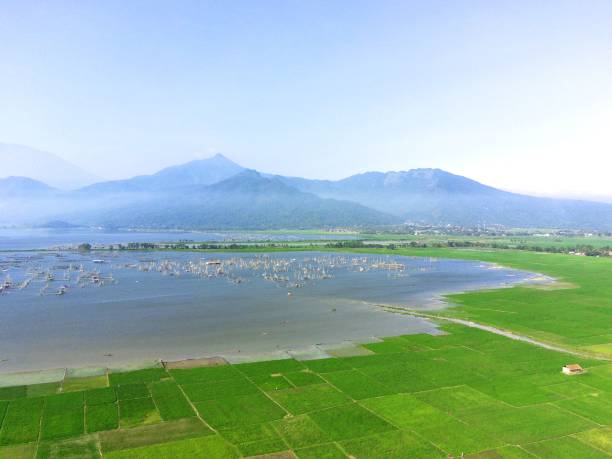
pixel 194 173
pixel 221 157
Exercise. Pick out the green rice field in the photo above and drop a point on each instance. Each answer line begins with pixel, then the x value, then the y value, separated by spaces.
pixel 467 393
pixel 416 396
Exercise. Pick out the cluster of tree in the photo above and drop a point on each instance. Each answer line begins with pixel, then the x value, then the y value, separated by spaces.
pixel 348 245
pixel 582 249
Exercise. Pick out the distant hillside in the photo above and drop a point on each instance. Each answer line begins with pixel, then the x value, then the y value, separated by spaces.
pixel 433 196
pixel 218 193
pixel 27 201
pixel 393 191
pixel 22 161
pixel 198 172
pixel 246 200
pixel 23 187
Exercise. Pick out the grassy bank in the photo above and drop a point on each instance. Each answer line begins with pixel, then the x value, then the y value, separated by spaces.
pixel 578 314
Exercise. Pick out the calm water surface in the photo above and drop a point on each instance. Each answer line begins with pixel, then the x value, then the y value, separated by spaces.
pixel 135 306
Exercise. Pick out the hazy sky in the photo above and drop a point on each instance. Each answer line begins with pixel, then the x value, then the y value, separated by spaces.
pixel 514 94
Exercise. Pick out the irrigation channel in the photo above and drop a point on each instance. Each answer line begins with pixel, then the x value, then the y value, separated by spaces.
pixel 61 309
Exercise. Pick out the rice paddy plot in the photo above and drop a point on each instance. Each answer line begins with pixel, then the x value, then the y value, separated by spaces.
pixel 100 396
pixel 208 447
pixel 122 439
pixel 302 400
pixel 600 438
pixel 456 399
pixel 457 438
pixel 300 431
pixel 598 382
pixel 85 447
pixel 11 393
pixel 399 378
pixel 357 385
pixel 325 451
pixel 198 392
pixel 269 367
pixel 101 417
pixel 327 365
pixel 253 433
pixel 26 451
pixel 88 382
pixel 271 382
pixel 527 424
pixel 387 346
pixel 137 411
pixel 3 407
pixel 170 401
pixel 131 391
pixel 392 445
pixel 603 370
pixel 597 407
pixel 63 416
pixel 515 391
pixel 137 376
pixel 505 452
pixel 349 421
pixel 205 374
pixel 565 447
pixel 21 422
pixel 407 411
pixel 262 447
pixel 376 360
pixel 303 378
pixel 44 389
pixel 241 410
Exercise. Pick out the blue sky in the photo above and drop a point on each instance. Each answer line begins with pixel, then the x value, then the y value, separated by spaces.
pixel 516 94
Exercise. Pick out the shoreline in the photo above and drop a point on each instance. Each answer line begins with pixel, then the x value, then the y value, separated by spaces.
pixel 439 301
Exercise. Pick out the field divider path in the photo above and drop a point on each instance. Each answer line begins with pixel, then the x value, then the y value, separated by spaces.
pixel 491 329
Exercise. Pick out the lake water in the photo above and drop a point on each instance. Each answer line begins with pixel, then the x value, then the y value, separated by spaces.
pixel 44 238
pixel 128 307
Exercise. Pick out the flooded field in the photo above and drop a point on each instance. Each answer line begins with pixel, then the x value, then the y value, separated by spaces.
pixel 65 309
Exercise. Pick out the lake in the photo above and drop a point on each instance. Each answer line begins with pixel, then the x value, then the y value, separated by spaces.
pixel 66 309
pixel 44 238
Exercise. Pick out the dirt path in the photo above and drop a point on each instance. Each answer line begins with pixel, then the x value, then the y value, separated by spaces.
pixel 497 331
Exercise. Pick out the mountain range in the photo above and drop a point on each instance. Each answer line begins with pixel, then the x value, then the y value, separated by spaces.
pixel 217 193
